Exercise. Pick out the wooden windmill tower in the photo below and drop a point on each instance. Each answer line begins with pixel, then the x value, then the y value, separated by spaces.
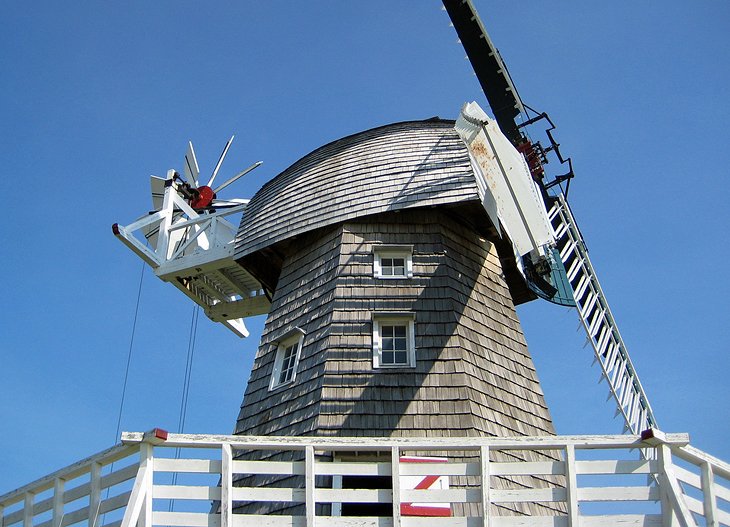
pixel 392 312
pixel 389 263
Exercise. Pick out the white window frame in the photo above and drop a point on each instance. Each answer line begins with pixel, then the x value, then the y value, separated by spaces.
pixel 292 338
pixel 389 319
pixel 392 251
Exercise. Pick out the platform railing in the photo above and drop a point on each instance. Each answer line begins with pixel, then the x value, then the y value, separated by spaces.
pixel 234 481
pixel 81 494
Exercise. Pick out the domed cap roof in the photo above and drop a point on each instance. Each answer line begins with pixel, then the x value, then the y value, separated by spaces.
pixel 393 167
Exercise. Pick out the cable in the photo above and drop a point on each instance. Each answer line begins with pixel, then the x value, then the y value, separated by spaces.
pixel 188 369
pixel 126 376
pixel 186 388
pixel 129 354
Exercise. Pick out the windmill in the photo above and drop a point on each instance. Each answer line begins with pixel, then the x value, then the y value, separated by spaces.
pixel 489 180
pixel 392 260
pixel 390 263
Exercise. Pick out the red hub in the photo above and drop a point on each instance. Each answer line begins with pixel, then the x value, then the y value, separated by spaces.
pixel 205 197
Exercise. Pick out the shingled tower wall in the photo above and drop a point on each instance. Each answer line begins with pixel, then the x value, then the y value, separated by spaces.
pixel 312 236
pixel 473 373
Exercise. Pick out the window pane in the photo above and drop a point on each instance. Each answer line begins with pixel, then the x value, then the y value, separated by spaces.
pixel 394 344
pixel 287 364
pixel 399 267
pixel 392 266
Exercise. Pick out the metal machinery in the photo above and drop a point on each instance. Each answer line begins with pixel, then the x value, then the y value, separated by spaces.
pixel 189 243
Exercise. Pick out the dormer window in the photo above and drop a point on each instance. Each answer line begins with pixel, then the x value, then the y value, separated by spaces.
pixel 393 261
pixel 288 350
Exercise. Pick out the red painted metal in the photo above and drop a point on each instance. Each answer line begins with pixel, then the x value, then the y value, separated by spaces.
pixel 205 197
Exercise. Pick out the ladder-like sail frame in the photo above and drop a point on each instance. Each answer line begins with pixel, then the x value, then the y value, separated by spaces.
pixel 599 323
pixel 591 304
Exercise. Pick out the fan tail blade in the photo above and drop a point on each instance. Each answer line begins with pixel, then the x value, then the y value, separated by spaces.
pixel 191 166
pixel 220 161
pixel 237 176
pixel 157 187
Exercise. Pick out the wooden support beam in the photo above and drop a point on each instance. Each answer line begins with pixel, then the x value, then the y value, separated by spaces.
pixel 147 460
pixel 139 508
pixel 226 509
pixel 246 307
pixel 58 501
pixel 485 484
pixel 395 478
pixel 309 485
pixel 708 494
pixel 94 494
pixel 672 491
pixel 28 510
pixel 571 482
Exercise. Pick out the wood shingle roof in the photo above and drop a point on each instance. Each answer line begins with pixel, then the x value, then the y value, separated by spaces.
pixel 394 167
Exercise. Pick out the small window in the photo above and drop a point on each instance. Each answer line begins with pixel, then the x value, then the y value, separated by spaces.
pixel 393 261
pixel 287 359
pixel 394 340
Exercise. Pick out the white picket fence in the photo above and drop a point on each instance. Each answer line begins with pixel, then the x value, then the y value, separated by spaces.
pixel 188 481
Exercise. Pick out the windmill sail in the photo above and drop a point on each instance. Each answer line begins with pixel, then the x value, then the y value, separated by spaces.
pixel 598 321
pixel 579 279
pixel 488 66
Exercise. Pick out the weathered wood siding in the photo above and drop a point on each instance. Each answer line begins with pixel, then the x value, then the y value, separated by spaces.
pixel 473 374
pixel 394 167
pixel 311 232
pixel 303 299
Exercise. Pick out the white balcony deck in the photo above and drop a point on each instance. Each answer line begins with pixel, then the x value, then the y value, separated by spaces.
pixel 605 480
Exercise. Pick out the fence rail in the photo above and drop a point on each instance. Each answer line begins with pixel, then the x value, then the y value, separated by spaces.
pixel 234 481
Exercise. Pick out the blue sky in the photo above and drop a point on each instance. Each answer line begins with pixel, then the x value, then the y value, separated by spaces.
pixel 95 97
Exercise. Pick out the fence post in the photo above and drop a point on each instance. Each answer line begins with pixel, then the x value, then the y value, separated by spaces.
pixel 708 495
pixel 395 478
pixel 139 507
pixel 226 485
pixel 485 484
pixel 571 481
pixel 674 510
pixel 309 485
pixel 28 510
pixel 147 460
pixel 58 490
pixel 94 494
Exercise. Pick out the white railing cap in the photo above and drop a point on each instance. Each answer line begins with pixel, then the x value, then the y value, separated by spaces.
pixel 406 443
